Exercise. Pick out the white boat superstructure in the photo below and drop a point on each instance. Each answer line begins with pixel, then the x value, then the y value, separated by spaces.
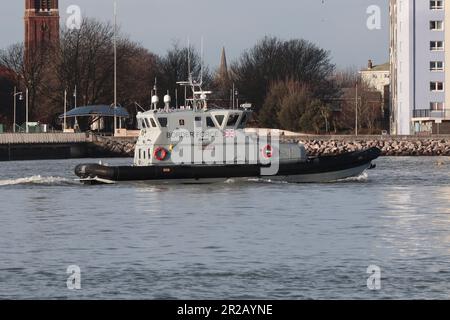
pixel 215 135
pixel 199 143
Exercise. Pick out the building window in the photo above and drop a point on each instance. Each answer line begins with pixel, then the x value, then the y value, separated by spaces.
pixel 436 86
pixel 43 5
pixel 436 45
pixel 436 4
pixel 436 66
pixel 436 106
pixel 181 122
pixel 436 25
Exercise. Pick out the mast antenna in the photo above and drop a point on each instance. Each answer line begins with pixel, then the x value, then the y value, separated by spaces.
pixel 189 60
pixel 201 63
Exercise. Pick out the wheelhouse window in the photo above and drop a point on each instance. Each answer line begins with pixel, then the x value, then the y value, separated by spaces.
pixel 153 123
pixel 243 121
pixel 219 119
pixel 163 122
pixel 147 123
pixel 232 120
pixel 210 123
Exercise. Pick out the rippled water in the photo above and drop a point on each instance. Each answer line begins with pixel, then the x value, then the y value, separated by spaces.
pixel 227 240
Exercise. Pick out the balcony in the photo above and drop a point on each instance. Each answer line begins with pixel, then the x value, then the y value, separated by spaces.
pixel 432 114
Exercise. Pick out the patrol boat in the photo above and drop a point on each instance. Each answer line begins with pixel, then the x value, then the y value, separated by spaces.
pixel 198 143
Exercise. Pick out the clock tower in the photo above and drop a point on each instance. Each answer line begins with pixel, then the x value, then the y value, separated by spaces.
pixel 41 24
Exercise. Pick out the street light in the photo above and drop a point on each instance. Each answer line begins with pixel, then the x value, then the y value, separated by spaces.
pixel 20 94
pixel 356 111
pixel 75 96
pixel 27 130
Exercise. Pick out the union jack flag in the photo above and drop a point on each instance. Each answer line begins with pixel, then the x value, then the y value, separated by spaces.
pixel 230 133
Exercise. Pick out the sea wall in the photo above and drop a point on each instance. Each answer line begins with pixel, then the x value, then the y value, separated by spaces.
pixel 319 145
pixel 113 147
pixel 389 145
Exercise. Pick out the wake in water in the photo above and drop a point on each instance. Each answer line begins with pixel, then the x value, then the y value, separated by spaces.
pixel 59 181
pixel 38 180
pixel 364 177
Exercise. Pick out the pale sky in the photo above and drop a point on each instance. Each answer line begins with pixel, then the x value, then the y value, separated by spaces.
pixel 335 25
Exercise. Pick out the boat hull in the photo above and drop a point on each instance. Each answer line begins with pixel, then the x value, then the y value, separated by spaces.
pixel 320 169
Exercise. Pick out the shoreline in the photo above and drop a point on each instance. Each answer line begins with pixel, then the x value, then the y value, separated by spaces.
pixel 389 145
pixel 107 147
pixel 331 145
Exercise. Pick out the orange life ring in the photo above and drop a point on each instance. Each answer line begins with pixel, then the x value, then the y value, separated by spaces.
pixel 160 154
pixel 267 152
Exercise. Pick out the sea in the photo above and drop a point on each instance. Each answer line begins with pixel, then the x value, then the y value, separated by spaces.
pixel 383 235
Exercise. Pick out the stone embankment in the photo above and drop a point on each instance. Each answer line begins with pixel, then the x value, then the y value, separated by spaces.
pixel 317 145
pixel 390 146
pixel 114 147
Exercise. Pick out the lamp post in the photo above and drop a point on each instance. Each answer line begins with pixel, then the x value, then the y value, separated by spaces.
pixel 27 130
pixel 356 110
pixel 115 67
pixel 65 111
pixel 75 96
pixel 20 94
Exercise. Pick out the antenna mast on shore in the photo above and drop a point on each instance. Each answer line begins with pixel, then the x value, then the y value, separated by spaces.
pixel 115 67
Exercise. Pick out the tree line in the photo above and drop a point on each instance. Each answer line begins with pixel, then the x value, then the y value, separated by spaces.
pixel 292 85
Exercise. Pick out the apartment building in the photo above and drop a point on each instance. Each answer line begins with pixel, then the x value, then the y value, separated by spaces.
pixel 419 47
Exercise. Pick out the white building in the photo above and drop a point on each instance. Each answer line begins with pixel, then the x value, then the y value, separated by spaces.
pixel 419 46
pixel 377 76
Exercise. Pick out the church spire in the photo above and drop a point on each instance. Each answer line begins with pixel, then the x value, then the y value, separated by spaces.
pixel 223 69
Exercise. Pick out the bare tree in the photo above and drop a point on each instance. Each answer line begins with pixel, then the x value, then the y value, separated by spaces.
pixel 85 61
pixel 367 105
pixel 31 74
pixel 174 67
pixel 272 59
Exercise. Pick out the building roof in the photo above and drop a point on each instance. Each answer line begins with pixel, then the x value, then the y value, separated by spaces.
pixel 6 73
pixel 348 94
pixel 381 67
pixel 99 110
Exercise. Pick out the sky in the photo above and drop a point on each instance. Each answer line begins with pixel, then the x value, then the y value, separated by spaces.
pixel 339 26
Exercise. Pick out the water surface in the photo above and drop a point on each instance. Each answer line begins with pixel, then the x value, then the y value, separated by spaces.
pixel 228 240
